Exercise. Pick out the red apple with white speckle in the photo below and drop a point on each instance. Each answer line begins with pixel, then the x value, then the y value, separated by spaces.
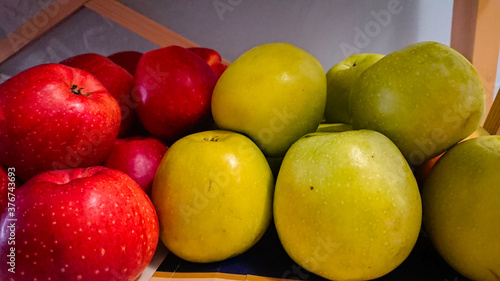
pixel 138 157
pixel 55 117
pixel 174 88
pixel 116 79
pixel 79 224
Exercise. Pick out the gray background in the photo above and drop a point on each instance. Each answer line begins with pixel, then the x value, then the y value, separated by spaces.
pixel 330 30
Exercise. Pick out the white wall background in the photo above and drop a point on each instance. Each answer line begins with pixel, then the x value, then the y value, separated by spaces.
pixel 328 29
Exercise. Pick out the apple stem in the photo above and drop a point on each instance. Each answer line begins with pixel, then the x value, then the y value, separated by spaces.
pixel 78 91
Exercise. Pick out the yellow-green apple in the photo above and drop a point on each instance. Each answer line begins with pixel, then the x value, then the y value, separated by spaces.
pixel 340 79
pixel 174 86
pixel 127 59
pixel 54 117
pixel 138 157
pixel 117 81
pixel 274 93
pixel 461 199
pixel 212 57
pixel 213 194
pixel 346 205
pixel 78 224
pixel 425 97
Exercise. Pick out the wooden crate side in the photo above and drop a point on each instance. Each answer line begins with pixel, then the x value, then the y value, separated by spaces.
pixel 475 33
pixel 492 123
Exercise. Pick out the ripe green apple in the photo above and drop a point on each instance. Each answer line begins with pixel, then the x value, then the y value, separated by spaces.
pixel 425 97
pixel 213 195
pixel 274 93
pixel 339 81
pixel 461 203
pixel 346 205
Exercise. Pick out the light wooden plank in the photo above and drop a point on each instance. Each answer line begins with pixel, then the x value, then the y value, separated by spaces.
pixel 492 123
pixel 140 24
pixel 475 33
pixel 37 26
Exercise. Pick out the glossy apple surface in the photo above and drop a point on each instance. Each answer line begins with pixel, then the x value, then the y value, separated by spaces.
pixel 346 205
pixel 425 97
pixel 274 93
pixel 117 81
pixel 174 86
pixel 340 79
pixel 461 199
pixel 127 59
pixel 213 194
pixel 53 117
pixel 138 157
pixel 80 224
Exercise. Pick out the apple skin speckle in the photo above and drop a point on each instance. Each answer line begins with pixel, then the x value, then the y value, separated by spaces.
pixel 64 245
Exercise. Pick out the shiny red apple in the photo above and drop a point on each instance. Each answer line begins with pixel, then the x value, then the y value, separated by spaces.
pixel 79 224
pixel 126 59
pixel 212 57
pixel 138 157
pixel 174 88
pixel 53 117
pixel 115 78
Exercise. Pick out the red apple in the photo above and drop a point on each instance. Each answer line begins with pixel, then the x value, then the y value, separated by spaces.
pixel 54 117
pixel 78 224
pixel 212 57
pixel 174 88
pixel 138 157
pixel 126 59
pixel 115 78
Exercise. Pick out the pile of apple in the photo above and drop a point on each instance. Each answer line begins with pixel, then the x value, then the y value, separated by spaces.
pixel 332 160
pixel 80 142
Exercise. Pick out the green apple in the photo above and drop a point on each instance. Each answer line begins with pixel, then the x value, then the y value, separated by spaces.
pixel 339 80
pixel 213 195
pixel 346 205
pixel 274 93
pixel 425 97
pixel 461 202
